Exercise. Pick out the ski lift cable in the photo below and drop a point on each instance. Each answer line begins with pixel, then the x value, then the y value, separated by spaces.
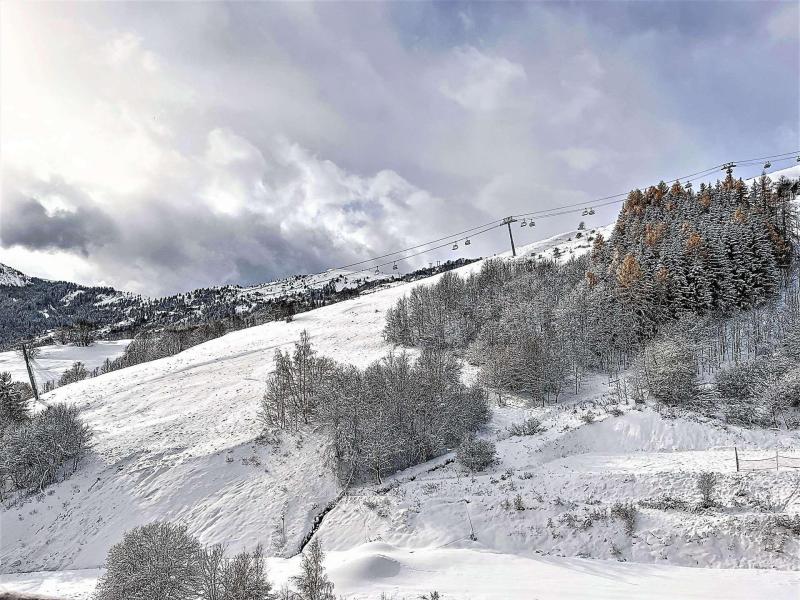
pixel 451 240
pixel 448 237
pixel 568 211
pixel 616 198
pixel 551 212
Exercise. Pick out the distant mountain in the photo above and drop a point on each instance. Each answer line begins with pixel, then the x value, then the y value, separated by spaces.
pixel 31 307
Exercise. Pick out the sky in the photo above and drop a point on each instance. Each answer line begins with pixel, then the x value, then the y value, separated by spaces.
pixel 161 147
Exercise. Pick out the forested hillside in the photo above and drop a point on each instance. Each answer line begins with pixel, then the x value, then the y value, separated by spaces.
pixel 31 307
pixel 537 325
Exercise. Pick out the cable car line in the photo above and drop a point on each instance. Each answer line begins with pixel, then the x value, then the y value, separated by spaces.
pixel 586 208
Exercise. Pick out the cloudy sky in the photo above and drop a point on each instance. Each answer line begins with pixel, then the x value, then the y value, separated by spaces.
pixel 159 147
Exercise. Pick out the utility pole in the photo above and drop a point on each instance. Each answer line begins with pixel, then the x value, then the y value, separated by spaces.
pixel 30 372
pixel 508 221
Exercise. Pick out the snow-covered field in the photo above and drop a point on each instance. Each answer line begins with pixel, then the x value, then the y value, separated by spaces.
pixel 176 439
pixel 463 574
pixel 53 360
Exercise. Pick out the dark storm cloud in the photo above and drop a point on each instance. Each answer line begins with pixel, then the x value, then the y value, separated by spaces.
pixel 78 226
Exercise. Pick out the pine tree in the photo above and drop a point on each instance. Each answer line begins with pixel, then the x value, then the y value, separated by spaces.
pixel 13 407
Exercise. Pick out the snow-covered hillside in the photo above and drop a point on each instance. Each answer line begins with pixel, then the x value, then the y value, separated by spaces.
pixel 176 439
pixel 11 277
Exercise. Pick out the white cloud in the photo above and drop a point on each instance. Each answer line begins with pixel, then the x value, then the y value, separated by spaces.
pixel 580 158
pixel 481 82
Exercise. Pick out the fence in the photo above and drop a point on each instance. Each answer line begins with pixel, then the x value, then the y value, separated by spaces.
pixel 776 462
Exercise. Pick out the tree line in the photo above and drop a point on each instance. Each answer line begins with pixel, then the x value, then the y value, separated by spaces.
pixel 537 325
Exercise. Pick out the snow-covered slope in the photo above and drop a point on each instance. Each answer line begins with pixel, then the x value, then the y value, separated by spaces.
pixel 12 277
pixel 176 439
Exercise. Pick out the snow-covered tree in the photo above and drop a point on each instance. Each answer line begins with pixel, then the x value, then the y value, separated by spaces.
pixel 157 560
pixel 312 583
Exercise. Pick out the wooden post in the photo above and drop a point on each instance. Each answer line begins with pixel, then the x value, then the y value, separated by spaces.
pixel 777 462
pixel 30 372
pixel 736 454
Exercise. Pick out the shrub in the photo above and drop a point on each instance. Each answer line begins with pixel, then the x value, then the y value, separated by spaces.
pixel 34 453
pixel 627 514
pixel 475 454
pixel 785 393
pixel 706 484
pixel 665 502
pixel 529 426
pixel 157 560
pixel 77 372
pixel 750 378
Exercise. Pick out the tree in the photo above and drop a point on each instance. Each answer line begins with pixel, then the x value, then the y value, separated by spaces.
pixel 160 560
pixel 13 407
pixel 671 368
pixel 77 372
pixel 313 582
pixel 706 484
pixel 242 577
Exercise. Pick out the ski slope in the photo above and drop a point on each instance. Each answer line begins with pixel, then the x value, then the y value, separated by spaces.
pixel 176 439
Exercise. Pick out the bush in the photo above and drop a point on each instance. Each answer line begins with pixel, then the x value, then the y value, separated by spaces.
pixel 530 426
pixel 158 560
pixel 475 454
pixel 750 378
pixel 34 453
pixel 785 393
pixel 706 484
pixel 627 514
pixel 77 372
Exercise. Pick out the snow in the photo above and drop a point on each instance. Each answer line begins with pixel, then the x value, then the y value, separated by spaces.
pixel 53 360
pixel 69 298
pixel 343 278
pixel 176 439
pixel 373 568
pixel 12 277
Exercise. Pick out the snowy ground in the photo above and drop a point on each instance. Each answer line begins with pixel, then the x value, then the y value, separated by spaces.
pixel 175 439
pixel 53 360
pixel 462 574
